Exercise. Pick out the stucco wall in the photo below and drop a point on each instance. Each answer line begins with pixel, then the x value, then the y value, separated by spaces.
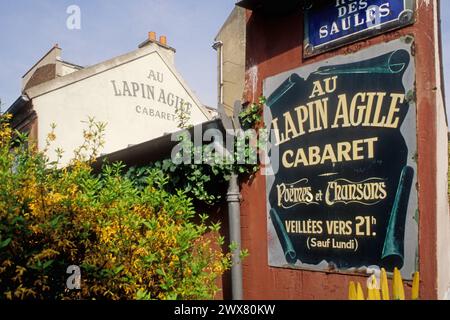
pixel 132 116
pixel 274 45
pixel 443 215
pixel 232 36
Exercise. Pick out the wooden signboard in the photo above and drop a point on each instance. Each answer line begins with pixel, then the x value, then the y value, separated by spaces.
pixel 343 194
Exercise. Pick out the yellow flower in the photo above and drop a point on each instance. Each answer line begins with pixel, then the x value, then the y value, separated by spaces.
pixel 35 229
pixel 51 136
pixel 8 295
pixel 88 135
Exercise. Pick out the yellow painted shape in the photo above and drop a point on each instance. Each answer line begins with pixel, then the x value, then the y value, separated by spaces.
pixel 384 285
pixel 415 287
pixel 398 292
pixel 370 294
pixel 371 287
pixel 375 288
pixel 351 291
pixel 359 292
pixel 377 294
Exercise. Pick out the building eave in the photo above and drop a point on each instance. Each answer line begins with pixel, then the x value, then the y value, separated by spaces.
pixel 87 72
pixel 70 64
pixel 18 104
pixel 105 66
pixel 153 150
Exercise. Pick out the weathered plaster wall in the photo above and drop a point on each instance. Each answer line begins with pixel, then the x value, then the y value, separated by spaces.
pixel 131 116
pixel 443 216
pixel 232 36
pixel 274 45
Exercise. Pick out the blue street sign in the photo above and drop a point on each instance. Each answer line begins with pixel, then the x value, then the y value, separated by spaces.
pixel 333 23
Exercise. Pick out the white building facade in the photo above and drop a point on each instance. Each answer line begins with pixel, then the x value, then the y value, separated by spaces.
pixel 137 95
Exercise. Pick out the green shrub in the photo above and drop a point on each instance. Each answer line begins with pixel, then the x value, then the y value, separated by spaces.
pixel 131 239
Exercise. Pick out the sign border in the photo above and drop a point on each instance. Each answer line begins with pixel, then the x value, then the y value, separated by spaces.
pixel 407 43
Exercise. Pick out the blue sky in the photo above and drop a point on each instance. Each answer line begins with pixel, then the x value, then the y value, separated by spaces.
pixel 29 28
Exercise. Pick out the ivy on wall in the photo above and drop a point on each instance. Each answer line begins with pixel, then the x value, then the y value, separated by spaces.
pixel 207 182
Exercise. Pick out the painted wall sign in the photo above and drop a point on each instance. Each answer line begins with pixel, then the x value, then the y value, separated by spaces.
pixel 330 24
pixel 153 91
pixel 137 96
pixel 344 194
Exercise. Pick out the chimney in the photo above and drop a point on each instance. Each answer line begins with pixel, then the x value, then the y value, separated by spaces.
pixel 161 44
pixel 152 36
pixel 163 40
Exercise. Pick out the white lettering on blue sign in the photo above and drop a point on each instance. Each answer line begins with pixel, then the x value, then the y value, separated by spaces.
pixel 341 21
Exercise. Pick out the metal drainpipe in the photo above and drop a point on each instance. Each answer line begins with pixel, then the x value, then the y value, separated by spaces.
pixel 218 46
pixel 221 72
pixel 234 219
pixel 234 203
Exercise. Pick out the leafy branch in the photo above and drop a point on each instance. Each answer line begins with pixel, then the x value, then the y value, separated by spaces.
pixel 207 180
